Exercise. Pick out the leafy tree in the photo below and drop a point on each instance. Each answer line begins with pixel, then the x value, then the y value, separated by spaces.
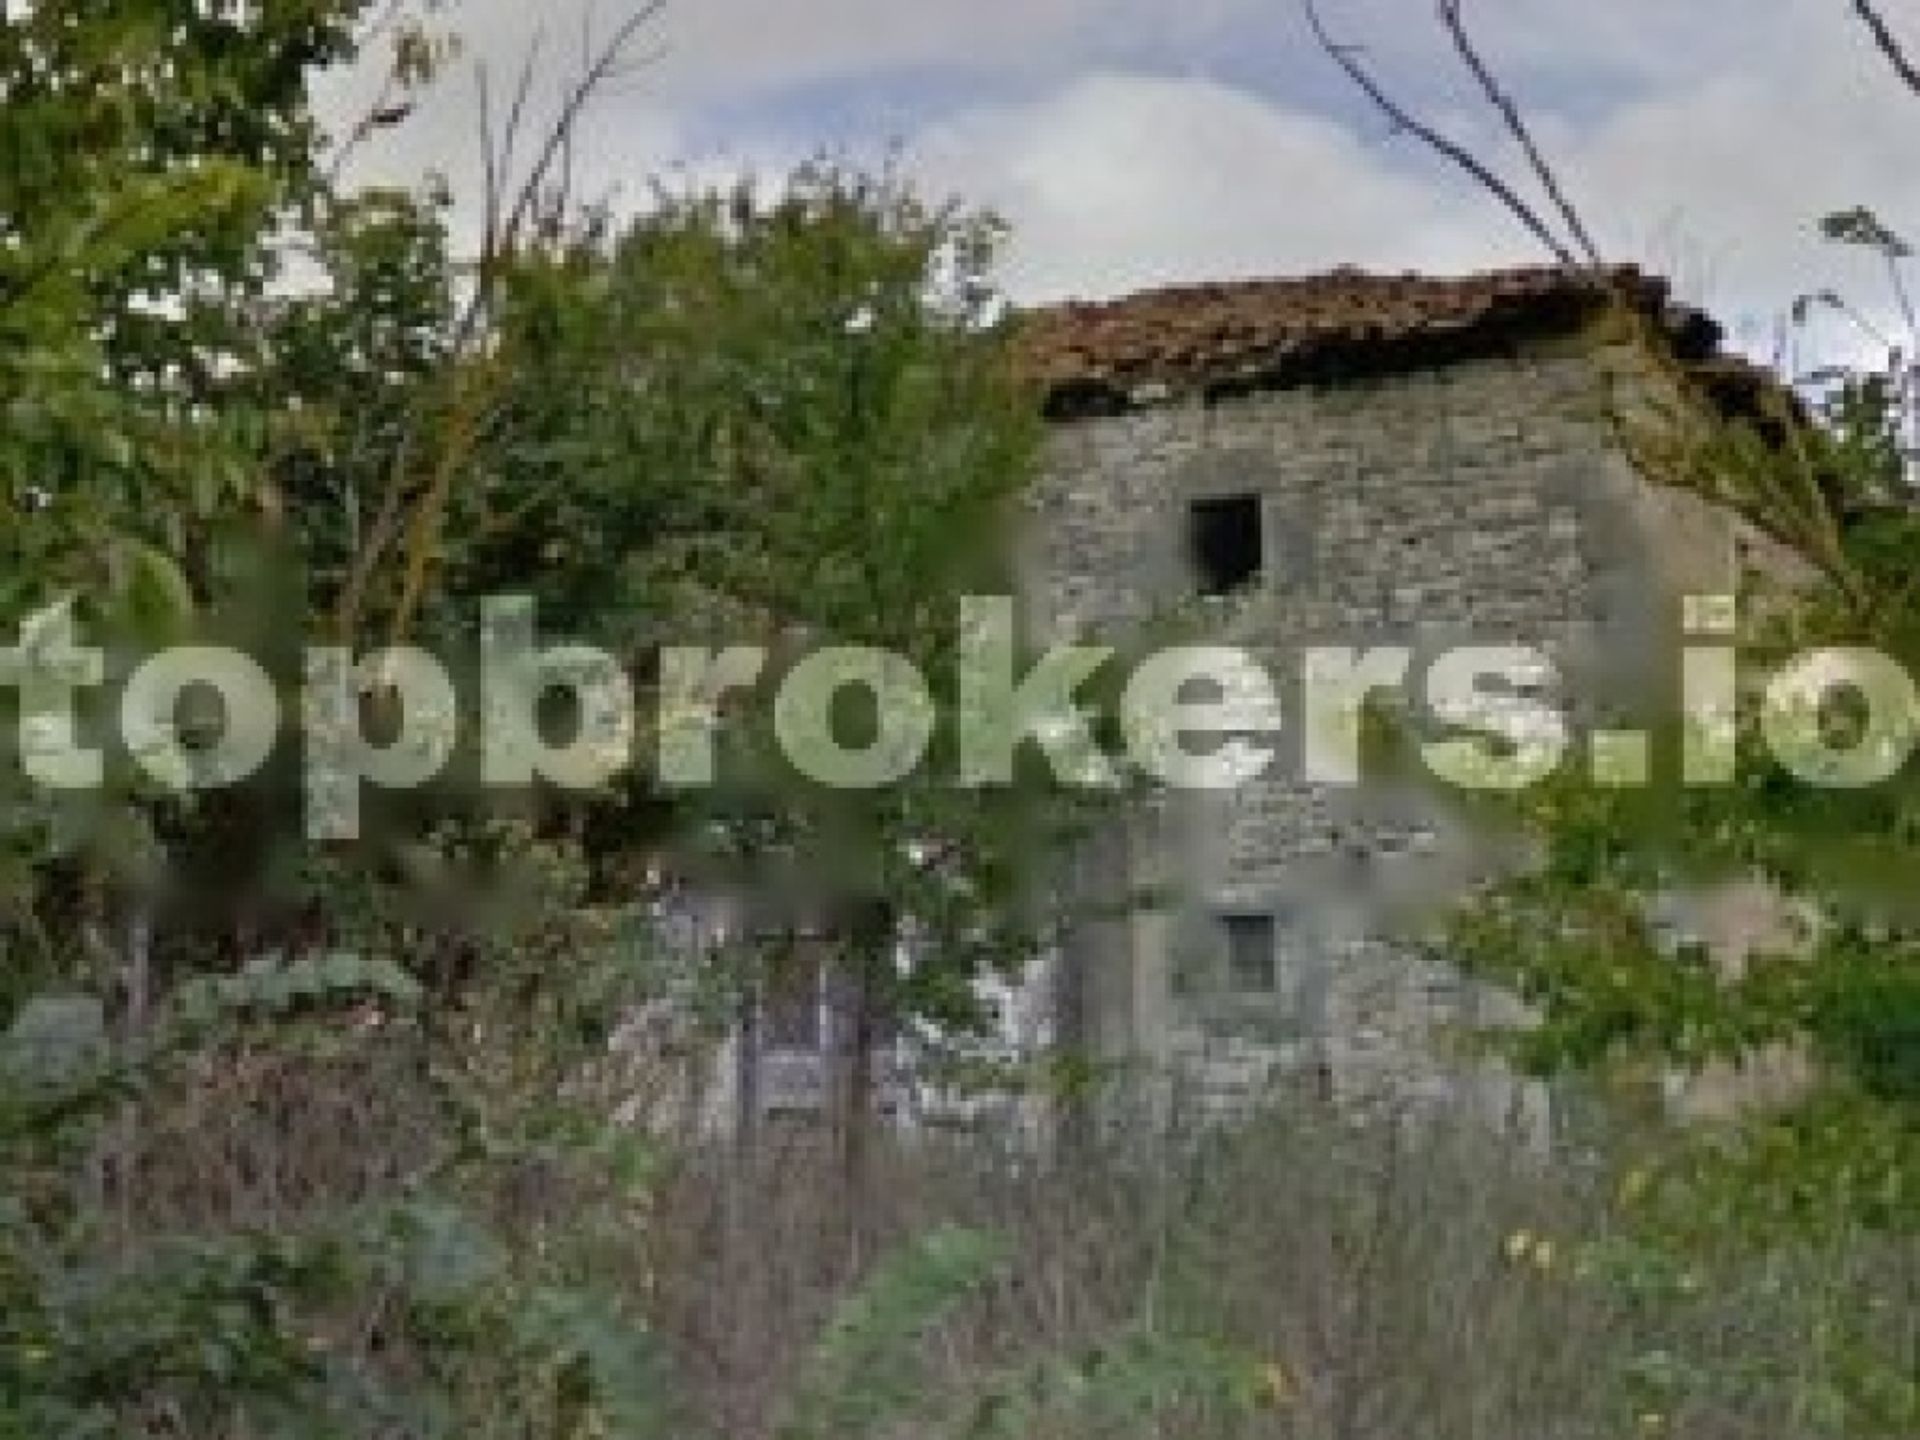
pixel 797 412
pixel 1828 473
pixel 147 154
pixel 184 437
pixel 1617 992
pixel 790 420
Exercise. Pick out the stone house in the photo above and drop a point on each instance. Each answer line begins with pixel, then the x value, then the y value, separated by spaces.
pixel 1345 460
pixel 1349 460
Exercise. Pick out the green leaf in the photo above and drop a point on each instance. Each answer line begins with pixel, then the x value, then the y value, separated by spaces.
pixel 867 1370
pixel 156 600
pixel 55 1043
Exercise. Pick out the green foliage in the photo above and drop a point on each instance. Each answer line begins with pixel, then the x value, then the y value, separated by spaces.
pixel 795 416
pixel 95 1332
pixel 867 1372
pixel 789 421
pixel 146 152
pixel 1816 1178
pixel 176 428
pixel 103 1325
pixel 1134 1385
pixel 268 988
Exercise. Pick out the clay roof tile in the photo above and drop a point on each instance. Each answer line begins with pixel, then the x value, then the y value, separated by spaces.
pixel 1187 339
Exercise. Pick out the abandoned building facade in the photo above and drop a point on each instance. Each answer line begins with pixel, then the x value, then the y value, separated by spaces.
pixel 1349 461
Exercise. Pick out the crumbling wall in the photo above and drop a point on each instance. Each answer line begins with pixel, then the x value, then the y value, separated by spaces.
pixel 1489 502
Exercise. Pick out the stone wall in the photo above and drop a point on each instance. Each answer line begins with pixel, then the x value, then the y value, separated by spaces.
pixel 1486 501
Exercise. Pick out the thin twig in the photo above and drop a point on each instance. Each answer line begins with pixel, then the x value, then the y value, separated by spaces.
pixel 472 387
pixel 564 198
pixel 424 533
pixel 377 115
pixel 497 148
pixel 1837 303
pixel 517 111
pixel 1346 57
pixel 489 164
pixel 1903 297
pixel 604 67
pixel 1889 43
pixel 1451 17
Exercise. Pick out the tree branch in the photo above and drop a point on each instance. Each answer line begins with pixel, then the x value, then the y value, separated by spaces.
pixel 604 67
pixel 1889 43
pixel 411 512
pixel 424 533
pixel 1346 57
pixel 1451 17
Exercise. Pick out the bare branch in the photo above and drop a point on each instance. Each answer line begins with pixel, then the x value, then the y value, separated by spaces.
pixel 1903 297
pixel 1451 17
pixel 470 408
pixel 606 65
pixel 1347 58
pixel 497 151
pixel 517 111
pixel 1889 43
pixel 387 107
pixel 1833 300
pixel 564 186
pixel 412 507
pixel 489 162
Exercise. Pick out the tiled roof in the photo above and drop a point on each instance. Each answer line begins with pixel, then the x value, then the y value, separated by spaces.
pixel 1255 334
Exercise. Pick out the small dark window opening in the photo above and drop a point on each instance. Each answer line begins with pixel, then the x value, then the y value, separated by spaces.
pixel 1223 534
pixel 1251 965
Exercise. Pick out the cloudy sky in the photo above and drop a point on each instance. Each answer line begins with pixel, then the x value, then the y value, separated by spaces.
pixel 1133 142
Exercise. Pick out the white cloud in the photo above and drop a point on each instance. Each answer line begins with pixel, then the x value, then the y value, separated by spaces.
pixel 1702 137
pixel 701 50
pixel 1735 172
pixel 1119 181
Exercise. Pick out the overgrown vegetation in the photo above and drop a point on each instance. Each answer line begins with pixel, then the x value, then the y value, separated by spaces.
pixel 340 1139
pixel 1823 991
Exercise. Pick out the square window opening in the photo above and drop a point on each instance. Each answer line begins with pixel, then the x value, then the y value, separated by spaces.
pixel 1252 964
pixel 1226 544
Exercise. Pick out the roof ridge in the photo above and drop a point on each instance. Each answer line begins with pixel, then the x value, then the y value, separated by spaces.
pixel 1349 274
pixel 1207 336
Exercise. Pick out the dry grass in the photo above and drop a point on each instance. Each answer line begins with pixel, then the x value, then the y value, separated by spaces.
pixel 1387 1281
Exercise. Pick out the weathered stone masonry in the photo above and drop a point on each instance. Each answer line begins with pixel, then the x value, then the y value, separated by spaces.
pixel 1485 499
